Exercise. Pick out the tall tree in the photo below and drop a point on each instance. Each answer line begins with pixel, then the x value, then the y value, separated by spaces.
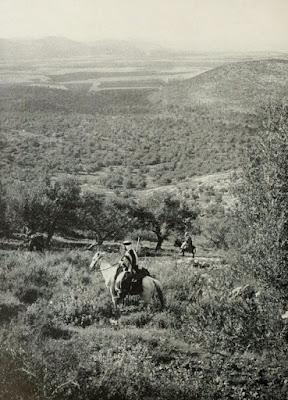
pixel 216 225
pixel 61 203
pixel 163 214
pixel 107 217
pixel 43 204
pixel 262 203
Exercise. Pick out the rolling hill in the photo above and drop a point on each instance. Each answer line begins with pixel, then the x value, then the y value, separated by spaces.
pixel 238 86
pixel 48 47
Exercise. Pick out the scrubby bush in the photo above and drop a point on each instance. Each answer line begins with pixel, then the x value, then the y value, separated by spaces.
pixel 261 228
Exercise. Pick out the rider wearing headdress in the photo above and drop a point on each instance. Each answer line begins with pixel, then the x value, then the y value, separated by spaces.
pixel 188 240
pixel 129 262
pixel 187 244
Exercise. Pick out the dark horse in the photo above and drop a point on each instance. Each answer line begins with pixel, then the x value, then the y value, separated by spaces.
pixel 185 247
pixel 35 242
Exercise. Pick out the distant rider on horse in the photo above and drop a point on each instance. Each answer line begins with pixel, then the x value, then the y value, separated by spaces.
pixel 187 245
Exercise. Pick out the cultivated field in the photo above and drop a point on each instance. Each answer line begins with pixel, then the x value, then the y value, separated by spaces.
pixel 109 71
pixel 101 72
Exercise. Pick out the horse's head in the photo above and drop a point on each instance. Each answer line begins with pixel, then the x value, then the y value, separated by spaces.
pixel 96 259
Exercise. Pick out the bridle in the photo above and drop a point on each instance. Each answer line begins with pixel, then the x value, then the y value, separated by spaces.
pixel 104 269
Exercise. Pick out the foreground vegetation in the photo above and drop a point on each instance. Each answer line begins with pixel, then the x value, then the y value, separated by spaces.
pixel 57 341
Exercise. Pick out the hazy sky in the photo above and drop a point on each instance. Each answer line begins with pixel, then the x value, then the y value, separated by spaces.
pixel 194 24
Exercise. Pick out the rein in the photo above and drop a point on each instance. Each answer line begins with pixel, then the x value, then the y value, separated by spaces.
pixel 111 266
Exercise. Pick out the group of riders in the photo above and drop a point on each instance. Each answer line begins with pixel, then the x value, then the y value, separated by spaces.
pixel 132 278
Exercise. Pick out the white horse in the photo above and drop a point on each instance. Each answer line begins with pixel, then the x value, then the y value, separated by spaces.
pixel 150 286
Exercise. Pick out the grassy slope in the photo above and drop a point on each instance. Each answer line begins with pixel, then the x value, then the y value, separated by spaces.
pixel 204 345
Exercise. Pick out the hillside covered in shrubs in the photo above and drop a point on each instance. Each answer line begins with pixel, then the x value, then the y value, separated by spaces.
pixel 164 135
pixel 237 87
pixel 222 334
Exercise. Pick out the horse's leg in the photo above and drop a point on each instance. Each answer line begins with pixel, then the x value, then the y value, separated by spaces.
pixel 146 293
pixel 116 312
pixel 114 299
pixel 159 291
pixel 193 251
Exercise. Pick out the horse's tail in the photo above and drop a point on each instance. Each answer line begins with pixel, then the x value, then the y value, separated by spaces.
pixel 159 292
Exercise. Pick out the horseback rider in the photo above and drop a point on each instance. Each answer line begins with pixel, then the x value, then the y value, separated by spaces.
pixel 188 240
pixel 187 244
pixel 129 264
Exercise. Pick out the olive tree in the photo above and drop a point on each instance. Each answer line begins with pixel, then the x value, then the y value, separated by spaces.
pixel 163 214
pixel 43 204
pixel 106 217
pixel 216 226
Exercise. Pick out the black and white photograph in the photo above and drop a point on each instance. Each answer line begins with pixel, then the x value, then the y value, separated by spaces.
pixel 143 200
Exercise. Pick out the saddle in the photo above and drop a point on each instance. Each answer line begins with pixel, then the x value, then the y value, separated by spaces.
pixel 131 284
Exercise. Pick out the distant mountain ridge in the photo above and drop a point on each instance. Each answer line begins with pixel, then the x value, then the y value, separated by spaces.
pixel 53 47
pixel 38 48
pixel 61 47
pixel 240 86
